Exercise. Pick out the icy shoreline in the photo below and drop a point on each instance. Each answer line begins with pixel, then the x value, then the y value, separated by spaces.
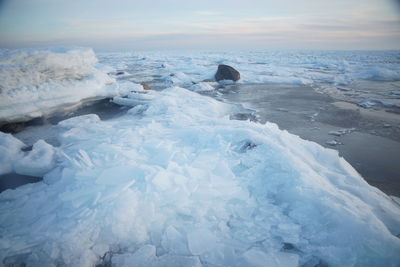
pixel 176 182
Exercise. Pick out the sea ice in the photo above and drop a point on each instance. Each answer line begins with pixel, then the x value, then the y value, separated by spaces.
pixel 333 143
pixel 79 121
pixel 183 185
pixel 341 132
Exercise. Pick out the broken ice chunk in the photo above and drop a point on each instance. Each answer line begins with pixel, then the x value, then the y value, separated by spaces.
pixel 9 150
pixel 79 121
pixel 333 143
pixel 335 133
pixel 342 132
pixel 38 161
pixel 200 241
pixel 174 241
pixel 138 109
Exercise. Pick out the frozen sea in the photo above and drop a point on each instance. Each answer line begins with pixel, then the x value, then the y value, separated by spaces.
pixel 268 171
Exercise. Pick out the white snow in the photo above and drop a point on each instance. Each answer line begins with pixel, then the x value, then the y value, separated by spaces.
pixel 175 186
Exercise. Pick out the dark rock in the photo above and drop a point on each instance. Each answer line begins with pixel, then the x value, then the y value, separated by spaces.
pixel 120 73
pixel 226 72
pixel 146 86
pixel 208 80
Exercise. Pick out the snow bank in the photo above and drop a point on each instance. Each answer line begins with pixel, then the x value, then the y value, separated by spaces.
pixel 175 182
pixel 35 82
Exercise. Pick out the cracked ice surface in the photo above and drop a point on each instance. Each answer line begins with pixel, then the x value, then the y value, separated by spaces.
pixel 170 184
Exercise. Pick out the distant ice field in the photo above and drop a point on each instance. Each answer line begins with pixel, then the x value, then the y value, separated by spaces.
pixel 175 181
pixel 367 78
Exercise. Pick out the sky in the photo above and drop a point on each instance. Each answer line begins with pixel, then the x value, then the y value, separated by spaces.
pixel 206 24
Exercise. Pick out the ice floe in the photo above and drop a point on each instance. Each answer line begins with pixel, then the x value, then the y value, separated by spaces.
pixel 342 132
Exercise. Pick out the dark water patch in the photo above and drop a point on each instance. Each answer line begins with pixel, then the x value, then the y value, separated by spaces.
pixel 373 149
pixel 27 148
pixel 339 117
pixel 104 108
pixel 14 180
pixel 16 127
